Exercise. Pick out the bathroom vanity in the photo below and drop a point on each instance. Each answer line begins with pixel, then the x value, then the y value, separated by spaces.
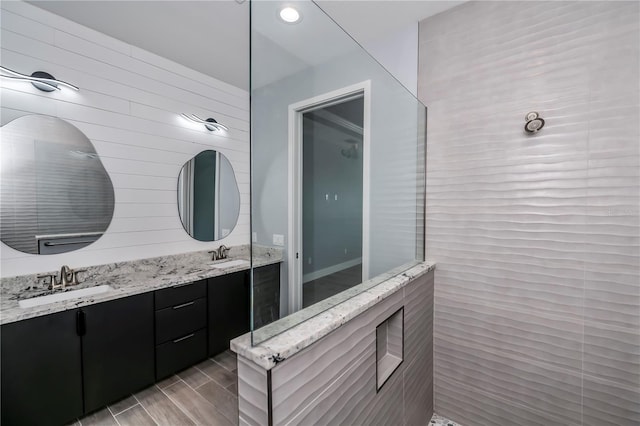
pixel 73 357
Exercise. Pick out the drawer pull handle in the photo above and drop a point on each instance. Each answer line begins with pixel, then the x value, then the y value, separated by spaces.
pixel 184 338
pixel 181 285
pixel 184 305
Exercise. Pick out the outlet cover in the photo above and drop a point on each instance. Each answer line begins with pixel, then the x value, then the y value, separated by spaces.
pixel 278 240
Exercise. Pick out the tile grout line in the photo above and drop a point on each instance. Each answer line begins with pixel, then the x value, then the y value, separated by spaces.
pixel 112 416
pixel 584 259
pixel 191 387
pixel 121 411
pixel 222 387
pixel 178 406
pixel 202 396
pixel 113 413
pixel 145 410
pixel 211 378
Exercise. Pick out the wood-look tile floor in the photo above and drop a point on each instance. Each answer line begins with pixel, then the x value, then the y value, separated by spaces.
pixel 206 394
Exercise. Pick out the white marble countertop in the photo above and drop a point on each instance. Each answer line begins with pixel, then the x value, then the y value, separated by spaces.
pixel 292 340
pixel 126 279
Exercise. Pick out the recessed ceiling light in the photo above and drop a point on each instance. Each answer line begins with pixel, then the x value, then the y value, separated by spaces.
pixel 289 15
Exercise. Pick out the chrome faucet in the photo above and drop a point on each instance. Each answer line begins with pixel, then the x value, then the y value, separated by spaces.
pixel 220 253
pixel 68 277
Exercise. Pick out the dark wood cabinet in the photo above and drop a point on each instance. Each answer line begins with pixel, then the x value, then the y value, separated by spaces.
pixel 117 349
pixel 178 321
pixel 57 367
pixel 184 293
pixel 181 327
pixel 229 304
pixel 228 300
pixel 41 371
pixel 180 353
pixel 266 295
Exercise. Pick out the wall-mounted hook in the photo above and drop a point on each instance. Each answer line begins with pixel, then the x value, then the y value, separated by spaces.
pixel 534 122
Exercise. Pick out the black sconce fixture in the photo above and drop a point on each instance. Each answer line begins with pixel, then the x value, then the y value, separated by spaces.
pixel 41 80
pixel 210 123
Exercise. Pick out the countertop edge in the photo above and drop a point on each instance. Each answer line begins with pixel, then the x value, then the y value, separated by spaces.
pixel 15 313
pixel 299 337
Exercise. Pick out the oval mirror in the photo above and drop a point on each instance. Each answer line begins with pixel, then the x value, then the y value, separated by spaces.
pixel 56 195
pixel 208 196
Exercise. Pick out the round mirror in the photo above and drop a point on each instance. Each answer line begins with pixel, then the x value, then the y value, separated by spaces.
pixel 208 196
pixel 56 195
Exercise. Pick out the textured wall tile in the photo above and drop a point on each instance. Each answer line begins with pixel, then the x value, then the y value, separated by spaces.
pixel 609 404
pixel 522 334
pixel 612 353
pixel 418 320
pixel 537 386
pixel 472 406
pixel 534 234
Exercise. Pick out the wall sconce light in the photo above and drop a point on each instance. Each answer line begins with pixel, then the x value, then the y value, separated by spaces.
pixel 210 123
pixel 41 80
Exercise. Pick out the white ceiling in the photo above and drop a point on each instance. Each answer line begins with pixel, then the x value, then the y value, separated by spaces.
pixel 208 36
pixel 213 36
pixel 370 20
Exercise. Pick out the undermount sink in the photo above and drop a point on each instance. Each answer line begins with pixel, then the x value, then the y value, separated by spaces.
pixel 230 264
pixel 59 297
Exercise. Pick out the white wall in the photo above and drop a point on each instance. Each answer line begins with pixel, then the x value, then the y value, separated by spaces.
pixel 395 131
pixel 397 51
pixel 332 229
pixel 128 106
pixel 537 237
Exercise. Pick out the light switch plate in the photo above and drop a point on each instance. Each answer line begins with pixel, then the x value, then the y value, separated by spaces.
pixel 278 240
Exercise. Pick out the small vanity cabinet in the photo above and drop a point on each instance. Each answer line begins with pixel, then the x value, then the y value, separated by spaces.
pixel 58 367
pixel 117 349
pixel 181 327
pixel 41 371
pixel 266 295
pixel 228 309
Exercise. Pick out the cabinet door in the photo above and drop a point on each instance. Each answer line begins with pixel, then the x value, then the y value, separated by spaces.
pixel 228 309
pixel 41 375
pixel 266 295
pixel 117 349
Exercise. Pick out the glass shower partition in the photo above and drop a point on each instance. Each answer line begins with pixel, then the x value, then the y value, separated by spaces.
pixel 337 168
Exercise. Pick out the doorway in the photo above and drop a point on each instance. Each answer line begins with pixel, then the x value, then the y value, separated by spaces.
pixel 329 168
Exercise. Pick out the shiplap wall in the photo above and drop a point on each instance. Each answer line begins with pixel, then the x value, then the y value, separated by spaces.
pixel 537 237
pixel 128 106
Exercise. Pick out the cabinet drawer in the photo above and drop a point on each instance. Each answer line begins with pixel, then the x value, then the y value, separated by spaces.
pixel 180 320
pixel 180 353
pixel 178 295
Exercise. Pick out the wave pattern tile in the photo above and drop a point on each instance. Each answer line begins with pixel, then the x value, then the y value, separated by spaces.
pixel 537 301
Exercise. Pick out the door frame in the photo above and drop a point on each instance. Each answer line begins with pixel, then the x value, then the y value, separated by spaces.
pixel 294 243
